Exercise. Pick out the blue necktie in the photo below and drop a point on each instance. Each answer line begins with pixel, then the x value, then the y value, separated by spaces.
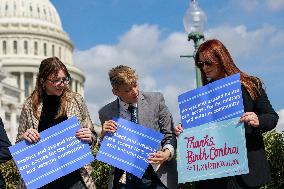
pixel 150 177
pixel 133 112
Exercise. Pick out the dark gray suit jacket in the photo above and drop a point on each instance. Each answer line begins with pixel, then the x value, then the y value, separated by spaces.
pixel 154 114
pixel 4 151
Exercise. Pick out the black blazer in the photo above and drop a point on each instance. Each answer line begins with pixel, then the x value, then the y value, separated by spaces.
pixel 4 151
pixel 259 172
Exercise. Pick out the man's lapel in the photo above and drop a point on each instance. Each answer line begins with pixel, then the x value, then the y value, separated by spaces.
pixel 142 110
pixel 114 111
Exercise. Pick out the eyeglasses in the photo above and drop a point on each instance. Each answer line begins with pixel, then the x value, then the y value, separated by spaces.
pixel 64 80
pixel 200 64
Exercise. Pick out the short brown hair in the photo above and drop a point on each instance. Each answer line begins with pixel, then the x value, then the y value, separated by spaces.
pixel 122 76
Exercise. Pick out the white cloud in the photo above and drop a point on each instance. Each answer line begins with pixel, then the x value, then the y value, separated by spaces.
pixel 275 4
pixel 247 5
pixel 257 52
pixel 256 5
pixel 243 42
pixel 149 83
pixel 171 93
pixel 280 125
pixel 143 39
pixel 278 39
pixel 157 61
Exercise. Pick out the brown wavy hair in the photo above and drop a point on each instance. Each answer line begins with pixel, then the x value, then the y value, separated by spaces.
pixel 214 51
pixel 122 76
pixel 49 66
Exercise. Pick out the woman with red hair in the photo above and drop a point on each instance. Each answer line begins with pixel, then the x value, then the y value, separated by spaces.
pixel 215 62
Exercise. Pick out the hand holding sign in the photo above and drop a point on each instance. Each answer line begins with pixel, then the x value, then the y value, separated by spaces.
pixel 84 134
pixel 108 126
pixel 129 147
pixel 209 147
pixel 31 135
pixel 159 157
pixel 212 151
pixel 250 118
pixel 56 154
pixel 178 129
pixel 217 101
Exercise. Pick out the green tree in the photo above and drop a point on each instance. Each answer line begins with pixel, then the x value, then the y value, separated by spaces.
pixel 10 174
pixel 274 147
pixel 100 173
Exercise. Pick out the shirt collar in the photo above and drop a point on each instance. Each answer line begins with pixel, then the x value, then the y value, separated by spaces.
pixel 125 105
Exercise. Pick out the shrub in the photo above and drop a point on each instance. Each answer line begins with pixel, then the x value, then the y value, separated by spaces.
pixel 274 147
pixel 10 173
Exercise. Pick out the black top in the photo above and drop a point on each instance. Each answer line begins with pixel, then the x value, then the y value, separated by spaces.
pixel 49 110
pixel 258 165
pixel 4 151
pixel 259 171
pixel 47 119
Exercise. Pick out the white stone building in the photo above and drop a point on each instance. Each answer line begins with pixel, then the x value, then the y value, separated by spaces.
pixel 30 30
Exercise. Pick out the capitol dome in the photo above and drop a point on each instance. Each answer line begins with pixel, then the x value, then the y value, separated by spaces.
pixel 37 12
pixel 30 31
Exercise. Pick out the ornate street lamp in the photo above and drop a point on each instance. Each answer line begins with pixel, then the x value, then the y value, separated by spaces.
pixel 194 21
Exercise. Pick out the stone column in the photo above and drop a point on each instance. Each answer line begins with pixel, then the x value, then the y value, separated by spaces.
pixel 1 110
pixel 22 87
pixel 78 87
pixel 73 87
pixel 13 124
pixel 34 81
pixel 82 90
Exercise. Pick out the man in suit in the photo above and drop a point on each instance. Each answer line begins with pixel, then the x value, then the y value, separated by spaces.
pixel 4 151
pixel 147 109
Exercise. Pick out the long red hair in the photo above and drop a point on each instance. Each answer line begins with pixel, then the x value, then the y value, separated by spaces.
pixel 214 51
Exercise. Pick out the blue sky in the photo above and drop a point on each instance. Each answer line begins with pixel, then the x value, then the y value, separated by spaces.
pixel 148 35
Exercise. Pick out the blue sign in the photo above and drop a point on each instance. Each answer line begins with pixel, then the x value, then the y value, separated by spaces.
pixel 57 153
pixel 129 147
pixel 212 150
pixel 217 101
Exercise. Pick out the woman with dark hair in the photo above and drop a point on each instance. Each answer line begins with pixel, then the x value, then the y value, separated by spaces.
pixel 50 103
pixel 215 62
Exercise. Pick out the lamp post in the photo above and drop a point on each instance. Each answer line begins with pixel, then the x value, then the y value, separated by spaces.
pixel 194 21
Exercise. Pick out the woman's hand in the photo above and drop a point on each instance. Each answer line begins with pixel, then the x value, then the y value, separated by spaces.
pixel 31 135
pixel 108 126
pixel 250 118
pixel 159 157
pixel 178 129
pixel 84 134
